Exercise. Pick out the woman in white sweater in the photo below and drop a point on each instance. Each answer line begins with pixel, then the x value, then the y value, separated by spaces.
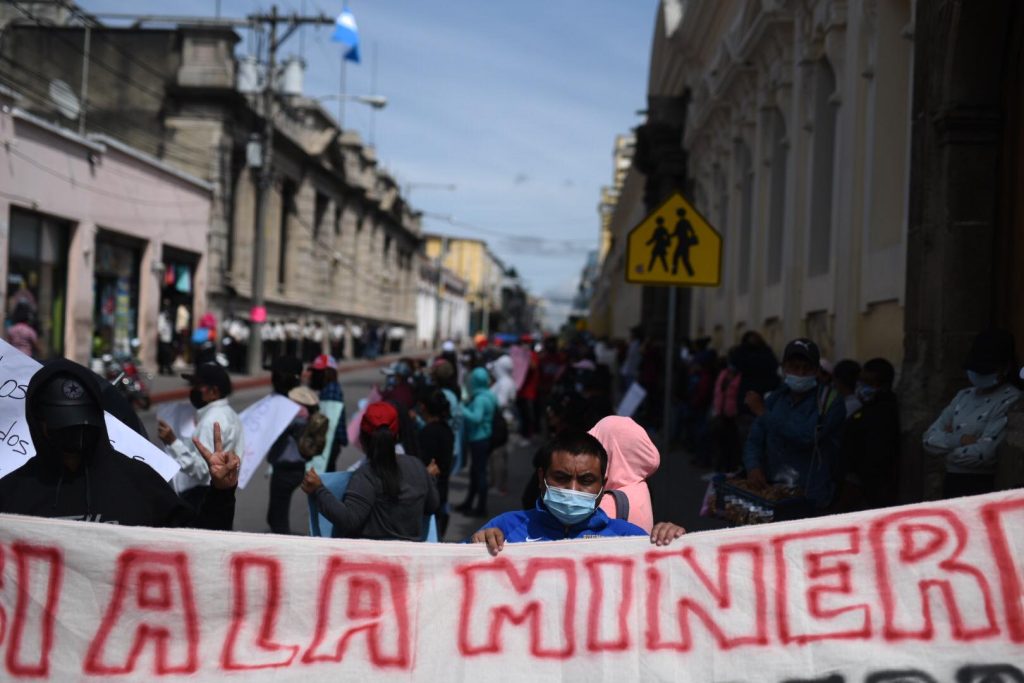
pixel 971 428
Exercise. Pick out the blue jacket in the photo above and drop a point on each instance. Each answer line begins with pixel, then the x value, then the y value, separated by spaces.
pixel 478 414
pixel 540 525
pixel 784 436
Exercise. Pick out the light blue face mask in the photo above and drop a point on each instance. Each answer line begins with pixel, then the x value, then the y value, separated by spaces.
pixel 800 385
pixel 570 507
pixel 866 393
pixel 983 381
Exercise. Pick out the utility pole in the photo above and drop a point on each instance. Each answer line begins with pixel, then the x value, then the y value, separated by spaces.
pixel 266 177
pixel 84 93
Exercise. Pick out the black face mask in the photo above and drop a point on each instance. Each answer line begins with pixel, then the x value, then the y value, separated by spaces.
pixel 195 397
pixel 77 439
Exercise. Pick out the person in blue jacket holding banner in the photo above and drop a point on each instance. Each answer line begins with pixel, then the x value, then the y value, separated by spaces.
pixel 571 475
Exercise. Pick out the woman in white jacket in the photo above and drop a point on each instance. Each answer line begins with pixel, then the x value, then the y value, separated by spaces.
pixel 504 389
pixel 969 431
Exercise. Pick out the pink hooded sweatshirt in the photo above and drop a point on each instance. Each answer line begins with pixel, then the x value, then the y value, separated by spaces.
pixel 632 458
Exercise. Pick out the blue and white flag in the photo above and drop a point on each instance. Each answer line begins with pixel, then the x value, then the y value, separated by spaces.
pixel 347 33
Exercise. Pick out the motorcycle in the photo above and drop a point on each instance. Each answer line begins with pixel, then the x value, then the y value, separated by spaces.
pixel 125 372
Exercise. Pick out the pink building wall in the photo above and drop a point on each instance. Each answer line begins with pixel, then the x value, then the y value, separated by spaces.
pixel 99 184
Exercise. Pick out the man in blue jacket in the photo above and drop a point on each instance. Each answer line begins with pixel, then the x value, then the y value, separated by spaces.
pixel 795 439
pixel 571 475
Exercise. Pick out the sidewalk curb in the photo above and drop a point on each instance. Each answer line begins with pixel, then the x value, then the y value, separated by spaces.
pixel 264 380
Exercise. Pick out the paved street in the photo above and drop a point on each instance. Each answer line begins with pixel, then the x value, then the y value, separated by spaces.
pixel 677 487
pixel 252 501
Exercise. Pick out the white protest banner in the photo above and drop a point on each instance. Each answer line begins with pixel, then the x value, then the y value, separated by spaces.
pixel 180 416
pixel 16 448
pixel 931 592
pixel 262 423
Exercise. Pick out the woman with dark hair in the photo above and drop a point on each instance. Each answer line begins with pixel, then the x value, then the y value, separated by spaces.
pixel 389 496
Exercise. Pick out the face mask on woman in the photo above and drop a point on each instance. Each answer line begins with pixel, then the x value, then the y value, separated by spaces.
pixel 799 385
pixel 866 393
pixel 570 507
pixel 983 381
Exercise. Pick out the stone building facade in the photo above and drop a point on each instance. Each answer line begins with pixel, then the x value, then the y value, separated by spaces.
pixel 615 303
pixel 90 231
pixel 340 239
pixel 862 159
pixel 797 138
pixel 484 274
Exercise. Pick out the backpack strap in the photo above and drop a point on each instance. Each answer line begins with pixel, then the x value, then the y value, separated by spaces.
pixel 621 503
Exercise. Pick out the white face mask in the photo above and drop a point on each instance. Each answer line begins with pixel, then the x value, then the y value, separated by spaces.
pixel 983 381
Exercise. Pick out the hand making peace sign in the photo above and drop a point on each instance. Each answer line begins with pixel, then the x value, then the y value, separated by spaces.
pixel 224 465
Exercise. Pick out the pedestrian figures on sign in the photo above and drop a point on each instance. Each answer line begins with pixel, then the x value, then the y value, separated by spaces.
pixel 661 239
pixel 686 237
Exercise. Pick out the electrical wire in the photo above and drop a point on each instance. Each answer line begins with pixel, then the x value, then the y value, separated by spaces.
pixel 494 233
pixel 118 73
pixel 43 101
pixel 97 190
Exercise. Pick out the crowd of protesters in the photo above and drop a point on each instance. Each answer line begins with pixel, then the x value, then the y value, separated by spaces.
pixel 833 431
pixel 828 433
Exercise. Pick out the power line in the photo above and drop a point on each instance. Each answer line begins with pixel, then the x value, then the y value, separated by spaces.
pixel 97 190
pixel 574 245
pixel 156 94
pixel 44 102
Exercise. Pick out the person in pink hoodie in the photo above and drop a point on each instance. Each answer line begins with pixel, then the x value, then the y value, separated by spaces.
pixel 632 458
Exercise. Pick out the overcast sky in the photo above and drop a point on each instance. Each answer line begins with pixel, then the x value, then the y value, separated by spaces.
pixel 515 103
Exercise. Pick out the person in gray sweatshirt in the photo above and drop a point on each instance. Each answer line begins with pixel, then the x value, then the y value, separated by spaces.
pixel 389 497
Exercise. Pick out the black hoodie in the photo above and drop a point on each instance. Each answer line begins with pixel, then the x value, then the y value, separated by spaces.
pixel 107 487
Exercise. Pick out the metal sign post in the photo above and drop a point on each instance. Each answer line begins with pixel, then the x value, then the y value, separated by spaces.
pixel 674 246
pixel 670 342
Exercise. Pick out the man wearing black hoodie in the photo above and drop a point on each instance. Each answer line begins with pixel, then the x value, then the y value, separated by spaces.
pixel 870 447
pixel 77 474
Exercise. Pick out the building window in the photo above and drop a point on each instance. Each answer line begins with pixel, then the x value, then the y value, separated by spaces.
pixel 745 175
pixel 777 215
pixel 822 169
pixel 287 209
pixel 319 212
pixel 177 292
pixel 115 294
pixel 37 269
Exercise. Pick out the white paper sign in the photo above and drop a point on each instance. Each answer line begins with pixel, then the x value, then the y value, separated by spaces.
pixel 180 416
pixel 262 423
pixel 918 594
pixel 635 395
pixel 16 369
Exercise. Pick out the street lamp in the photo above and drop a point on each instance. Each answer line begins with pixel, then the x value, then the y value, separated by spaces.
pixel 374 101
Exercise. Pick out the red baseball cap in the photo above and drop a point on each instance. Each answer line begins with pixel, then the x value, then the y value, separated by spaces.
pixel 379 415
pixel 323 361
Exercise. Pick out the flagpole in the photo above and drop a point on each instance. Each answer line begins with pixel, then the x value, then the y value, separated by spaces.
pixel 341 95
pixel 373 89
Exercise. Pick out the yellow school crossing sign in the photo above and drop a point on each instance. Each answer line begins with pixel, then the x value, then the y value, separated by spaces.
pixel 674 245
